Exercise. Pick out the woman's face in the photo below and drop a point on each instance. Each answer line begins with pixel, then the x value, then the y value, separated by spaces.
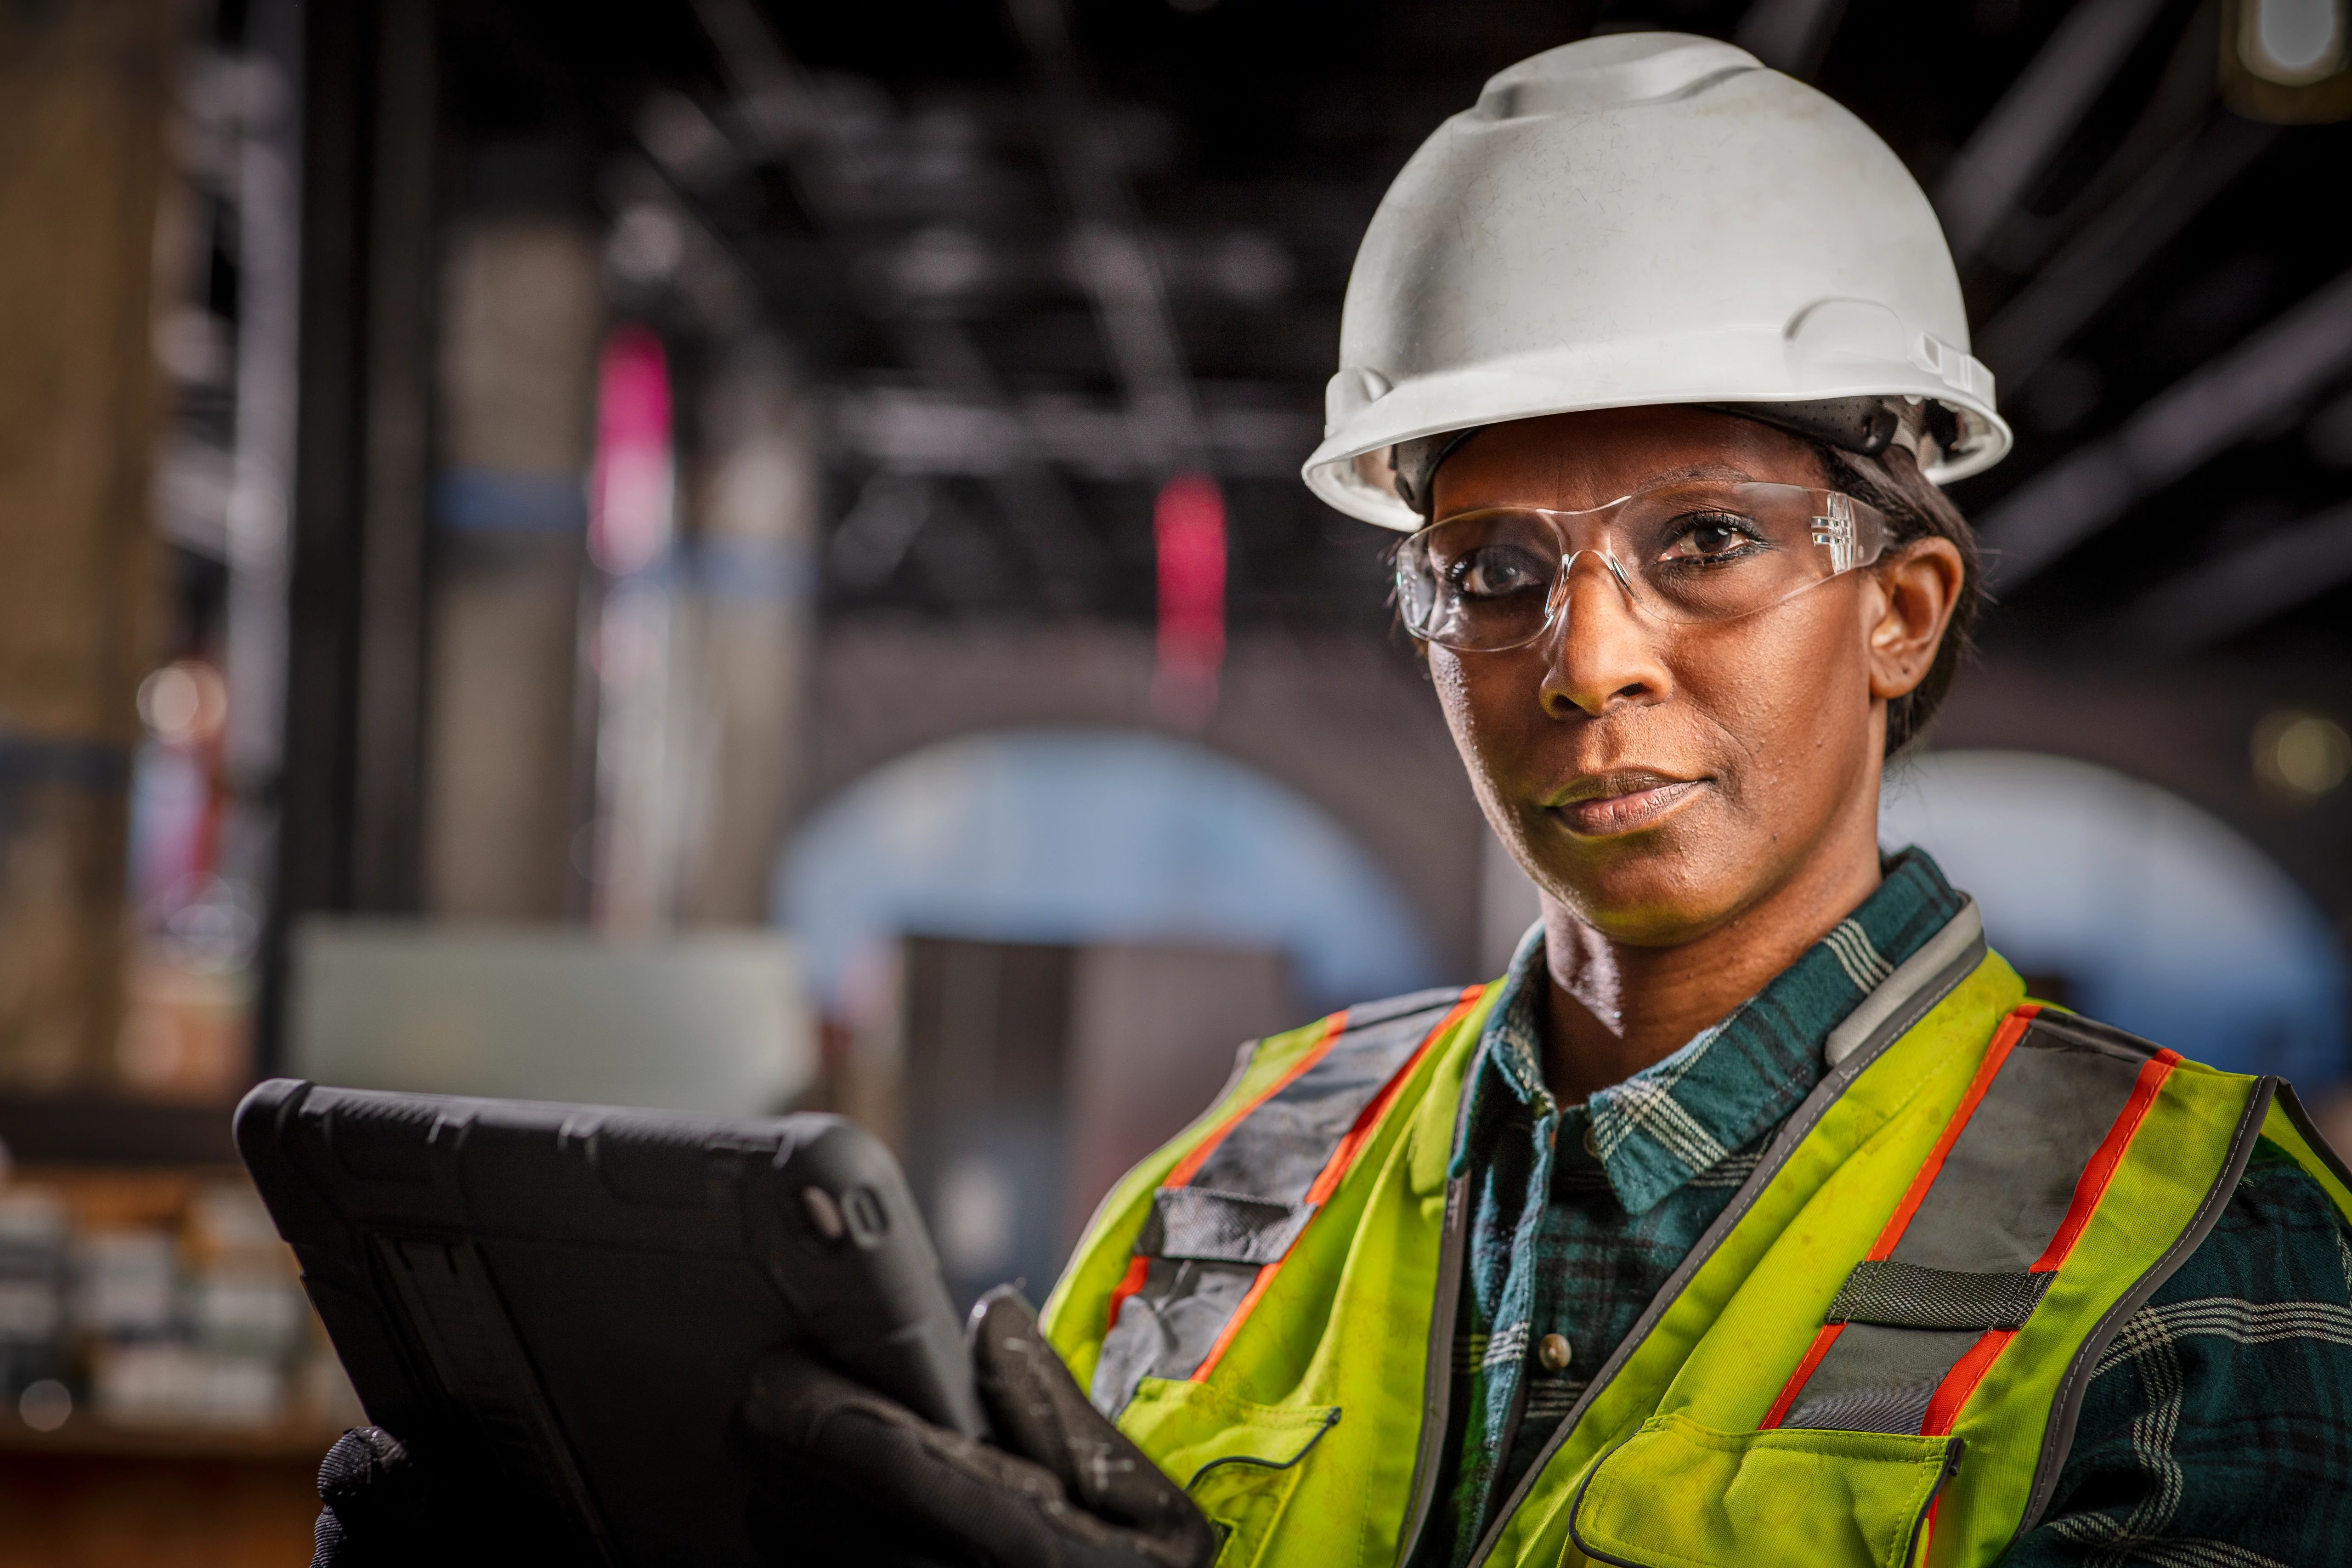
pixel 1659 779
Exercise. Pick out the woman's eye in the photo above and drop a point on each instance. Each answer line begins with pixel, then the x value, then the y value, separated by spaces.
pixel 1491 574
pixel 1710 539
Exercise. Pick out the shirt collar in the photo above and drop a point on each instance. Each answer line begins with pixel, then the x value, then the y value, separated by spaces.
pixel 1689 1113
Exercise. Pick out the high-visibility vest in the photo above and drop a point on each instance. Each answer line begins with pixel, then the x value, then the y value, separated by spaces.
pixel 1875 1356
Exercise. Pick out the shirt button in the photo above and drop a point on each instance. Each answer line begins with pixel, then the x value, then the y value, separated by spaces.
pixel 1553 1351
pixel 1591 1141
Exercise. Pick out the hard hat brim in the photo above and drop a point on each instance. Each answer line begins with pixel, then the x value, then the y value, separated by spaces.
pixel 1350 471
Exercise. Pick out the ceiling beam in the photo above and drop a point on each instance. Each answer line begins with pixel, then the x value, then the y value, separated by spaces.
pixel 2243 589
pixel 1991 174
pixel 1789 36
pixel 1122 275
pixel 2077 283
pixel 774 96
pixel 2264 376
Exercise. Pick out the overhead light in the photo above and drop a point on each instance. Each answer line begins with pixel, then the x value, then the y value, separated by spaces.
pixel 2288 61
pixel 2300 756
pixel 2292 42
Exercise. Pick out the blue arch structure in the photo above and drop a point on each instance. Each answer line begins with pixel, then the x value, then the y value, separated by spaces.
pixel 1087 835
pixel 2165 922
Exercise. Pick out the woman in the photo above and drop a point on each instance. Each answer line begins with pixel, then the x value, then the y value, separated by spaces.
pixel 1754 1215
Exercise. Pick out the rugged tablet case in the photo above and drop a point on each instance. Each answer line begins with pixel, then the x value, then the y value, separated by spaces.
pixel 571 1298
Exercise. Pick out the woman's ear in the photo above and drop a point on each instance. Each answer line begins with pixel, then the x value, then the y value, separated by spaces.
pixel 1921 584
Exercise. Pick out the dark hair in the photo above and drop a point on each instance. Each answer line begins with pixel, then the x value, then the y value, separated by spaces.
pixel 1915 510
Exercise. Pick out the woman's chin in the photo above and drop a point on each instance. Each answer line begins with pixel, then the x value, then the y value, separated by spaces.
pixel 1645 889
pixel 1649 910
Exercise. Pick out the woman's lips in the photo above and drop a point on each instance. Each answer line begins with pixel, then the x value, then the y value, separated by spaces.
pixel 1628 810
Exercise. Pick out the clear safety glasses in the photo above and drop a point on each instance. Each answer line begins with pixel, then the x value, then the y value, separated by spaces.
pixel 1703 550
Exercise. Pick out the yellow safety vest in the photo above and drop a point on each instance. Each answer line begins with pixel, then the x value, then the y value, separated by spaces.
pixel 1875 1356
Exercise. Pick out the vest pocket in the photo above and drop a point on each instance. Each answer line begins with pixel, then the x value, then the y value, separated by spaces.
pixel 1680 1495
pixel 1241 1462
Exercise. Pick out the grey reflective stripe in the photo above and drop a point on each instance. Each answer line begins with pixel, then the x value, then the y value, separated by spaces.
pixel 2010 1177
pixel 2004 1189
pixel 2058 1436
pixel 1207 1241
pixel 1908 1296
pixel 1902 999
pixel 1879 1379
pixel 1221 1227
pixel 1962 938
pixel 1169 1323
pixel 1278 1150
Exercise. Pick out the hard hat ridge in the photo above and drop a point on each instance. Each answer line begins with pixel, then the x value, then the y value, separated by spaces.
pixel 1610 71
pixel 1648 218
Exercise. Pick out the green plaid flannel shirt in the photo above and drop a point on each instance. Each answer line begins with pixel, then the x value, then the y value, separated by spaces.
pixel 2217 1431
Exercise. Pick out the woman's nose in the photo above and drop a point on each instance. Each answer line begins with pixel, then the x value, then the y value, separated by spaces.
pixel 1604 651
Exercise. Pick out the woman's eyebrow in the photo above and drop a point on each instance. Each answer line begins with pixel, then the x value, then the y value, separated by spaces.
pixel 1698 471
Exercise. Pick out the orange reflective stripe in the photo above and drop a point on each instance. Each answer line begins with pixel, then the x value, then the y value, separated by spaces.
pixel 1369 1117
pixel 1234 1324
pixel 1334 1171
pixel 2005 1039
pixel 1190 1166
pixel 2101 1168
pixel 1944 1404
pixel 1952 1394
pixel 1139 1268
pixel 2013 1029
pixel 1798 1379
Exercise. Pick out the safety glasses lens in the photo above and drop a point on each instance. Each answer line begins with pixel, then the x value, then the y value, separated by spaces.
pixel 1485 580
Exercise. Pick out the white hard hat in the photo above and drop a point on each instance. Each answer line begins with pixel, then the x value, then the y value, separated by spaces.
pixel 1649 219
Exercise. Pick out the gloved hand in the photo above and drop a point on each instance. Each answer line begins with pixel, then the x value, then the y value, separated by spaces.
pixel 384 1510
pixel 843 1475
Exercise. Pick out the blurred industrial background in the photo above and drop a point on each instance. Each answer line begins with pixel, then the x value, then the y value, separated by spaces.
pixel 736 555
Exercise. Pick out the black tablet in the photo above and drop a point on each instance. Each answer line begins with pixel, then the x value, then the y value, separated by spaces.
pixel 572 1296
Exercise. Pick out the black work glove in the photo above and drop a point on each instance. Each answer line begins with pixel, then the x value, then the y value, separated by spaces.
pixel 841 1475
pixel 384 1510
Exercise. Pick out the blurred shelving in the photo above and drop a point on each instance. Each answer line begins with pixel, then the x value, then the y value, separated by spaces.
pixel 153 1312
pixel 294 1442
pixel 166 1393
